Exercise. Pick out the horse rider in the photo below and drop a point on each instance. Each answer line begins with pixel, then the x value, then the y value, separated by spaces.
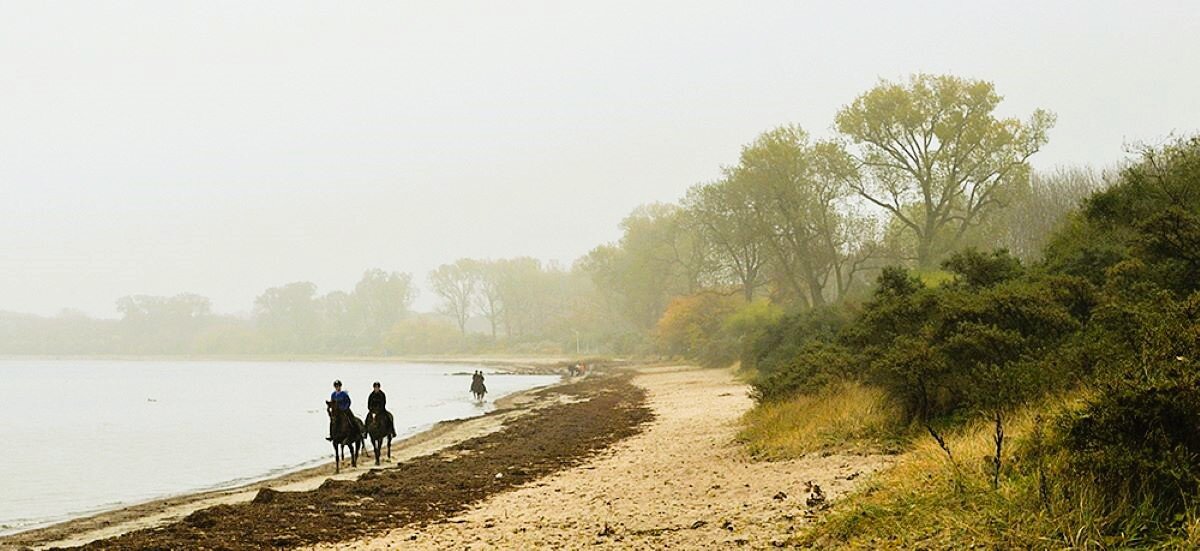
pixel 377 405
pixel 341 400
pixel 477 386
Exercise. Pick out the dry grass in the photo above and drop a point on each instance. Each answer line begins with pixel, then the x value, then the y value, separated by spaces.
pixel 848 417
pixel 928 501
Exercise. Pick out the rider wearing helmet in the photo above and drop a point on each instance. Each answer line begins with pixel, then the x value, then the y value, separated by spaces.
pixel 341 400
pixel 377 405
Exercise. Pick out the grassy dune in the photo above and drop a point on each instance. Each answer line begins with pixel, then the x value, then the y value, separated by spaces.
pixel 932 500
pixel 849 417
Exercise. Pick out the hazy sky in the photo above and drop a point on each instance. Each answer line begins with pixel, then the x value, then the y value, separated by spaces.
pixel 221 148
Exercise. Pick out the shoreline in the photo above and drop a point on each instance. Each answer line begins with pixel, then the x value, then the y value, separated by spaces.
pixel 555 429
pixel 124 518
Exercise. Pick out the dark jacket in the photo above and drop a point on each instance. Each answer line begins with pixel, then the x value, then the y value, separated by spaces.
pixel 377 401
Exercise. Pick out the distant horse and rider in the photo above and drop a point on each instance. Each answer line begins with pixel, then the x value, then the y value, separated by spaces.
pixel 478 389
pixel 348 431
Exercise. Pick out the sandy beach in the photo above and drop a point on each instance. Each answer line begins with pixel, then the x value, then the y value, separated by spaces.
pixel 682 483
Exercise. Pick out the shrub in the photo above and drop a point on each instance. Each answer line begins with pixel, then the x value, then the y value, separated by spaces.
pixel 780 354
pixel 975 269
pixel 814 366
pixel 693 327
pixel 1139 441
pixel 977 343
pixel 749 323
pixel 1138 438
pixel 1152 213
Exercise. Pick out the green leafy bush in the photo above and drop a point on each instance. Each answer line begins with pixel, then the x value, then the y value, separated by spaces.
pixel 780 354
pixel 816 365
pixel 1140 441
pixel 977 343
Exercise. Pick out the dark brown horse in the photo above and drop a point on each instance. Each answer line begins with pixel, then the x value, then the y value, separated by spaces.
pixel 347 431
pixel 378 429
pixel 478 389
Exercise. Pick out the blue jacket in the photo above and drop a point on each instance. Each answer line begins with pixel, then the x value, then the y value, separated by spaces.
pixel 341 398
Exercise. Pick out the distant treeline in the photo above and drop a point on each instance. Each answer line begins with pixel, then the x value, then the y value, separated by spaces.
pixel 515 304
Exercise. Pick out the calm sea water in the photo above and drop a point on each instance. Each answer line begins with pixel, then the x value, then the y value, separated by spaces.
pixel 84 436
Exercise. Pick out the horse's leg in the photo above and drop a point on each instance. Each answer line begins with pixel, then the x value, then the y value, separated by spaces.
pixel 389 448
pixel 337 458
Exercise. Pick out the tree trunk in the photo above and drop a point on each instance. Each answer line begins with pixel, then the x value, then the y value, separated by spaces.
pixel 924 248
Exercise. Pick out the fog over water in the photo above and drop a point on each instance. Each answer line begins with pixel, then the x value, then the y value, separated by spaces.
pixel 224 147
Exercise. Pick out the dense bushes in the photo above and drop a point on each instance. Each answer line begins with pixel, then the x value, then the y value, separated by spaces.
pixel 1140 441
pixel 798 352
pixel 973 343
pixel 1138 437
pixel 1113 309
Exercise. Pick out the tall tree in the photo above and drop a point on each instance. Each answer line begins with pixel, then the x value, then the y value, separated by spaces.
pixel 489 298
pixel 341 326
pixel 658 257
pixel 1035 211
pixel 724 217
pixel 382 299
pixel 457 284
pixel 936 143
pixel 521 290
pixel 290 315
pixel 795 191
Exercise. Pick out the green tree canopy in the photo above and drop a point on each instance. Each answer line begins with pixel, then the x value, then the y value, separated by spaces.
pixel 936 143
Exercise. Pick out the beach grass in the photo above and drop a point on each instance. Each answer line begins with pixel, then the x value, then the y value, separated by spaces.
pixel 849 417
pixel 930 499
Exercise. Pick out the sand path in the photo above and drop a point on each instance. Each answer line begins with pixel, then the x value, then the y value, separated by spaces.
pixel 683 483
